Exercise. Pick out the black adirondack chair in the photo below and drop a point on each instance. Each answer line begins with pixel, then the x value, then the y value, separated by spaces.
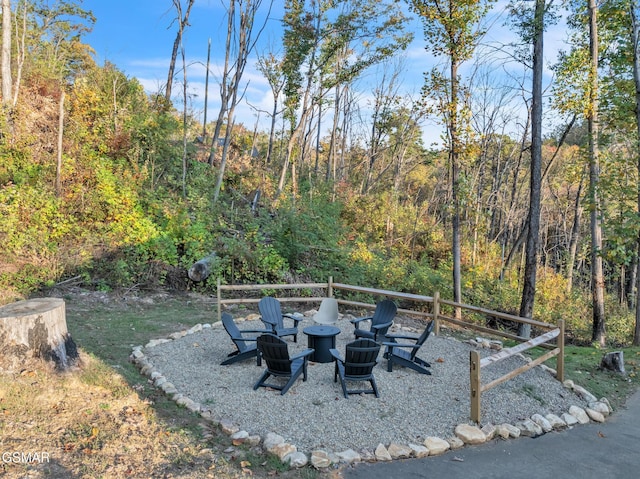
pixel 272 316
pixel 279 364
pixel 245 345
pixel 381 321
pixel 361 356
pixel 396 354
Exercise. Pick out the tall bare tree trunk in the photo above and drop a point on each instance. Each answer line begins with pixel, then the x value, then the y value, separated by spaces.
pixel 597 274
pixel 575 233
pixel 636 77
pixel 58 185
pixel 182 23
pixel 224 85
pixel 6 53
pixel 533 218
pixel 455 187
pixel 206 94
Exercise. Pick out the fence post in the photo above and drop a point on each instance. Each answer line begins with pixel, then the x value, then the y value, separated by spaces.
pixel 436 312
pixel 560 358
pixel 219 294
pixel 474 378
pixel 330 287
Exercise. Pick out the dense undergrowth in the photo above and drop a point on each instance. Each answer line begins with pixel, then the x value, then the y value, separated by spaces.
pixel 126 215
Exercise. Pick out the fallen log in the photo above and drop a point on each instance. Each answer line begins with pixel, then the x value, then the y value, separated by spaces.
pixel 36 329
pixel 200 270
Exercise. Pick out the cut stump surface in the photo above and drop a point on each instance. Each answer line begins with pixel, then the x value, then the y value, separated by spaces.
pixel 35 328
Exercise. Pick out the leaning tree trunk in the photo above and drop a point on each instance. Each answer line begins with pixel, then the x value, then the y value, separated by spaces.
pixel 35 328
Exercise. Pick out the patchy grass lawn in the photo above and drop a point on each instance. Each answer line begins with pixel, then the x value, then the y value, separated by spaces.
pixel 105 420
pixel 582 366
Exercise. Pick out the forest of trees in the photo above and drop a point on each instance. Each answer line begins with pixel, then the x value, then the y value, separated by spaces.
pixel 107 185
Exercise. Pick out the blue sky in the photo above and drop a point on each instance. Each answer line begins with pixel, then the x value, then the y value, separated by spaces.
pixel 137 36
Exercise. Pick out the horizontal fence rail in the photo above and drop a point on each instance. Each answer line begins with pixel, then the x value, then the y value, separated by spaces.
pixel 476 364
pixel 328 289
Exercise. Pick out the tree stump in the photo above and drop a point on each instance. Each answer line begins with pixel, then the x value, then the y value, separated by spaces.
pixel 613 361
pixel 35 328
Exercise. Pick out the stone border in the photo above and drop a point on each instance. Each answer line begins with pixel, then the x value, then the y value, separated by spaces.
pixel 464 434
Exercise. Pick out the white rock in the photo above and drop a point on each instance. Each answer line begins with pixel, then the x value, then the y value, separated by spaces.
pixel 194 329
pixel 155 342
pixel 436 445
pixel 239 436
pixel 349 456
pixel 528 428
pixel 193 406
pixel 503 432
pixel 584 394
pixel 320 459
pixel 455 442
pixel 595 415
pixel 399 451
pixel 137 354
pixel 282 450
pixel 419 451
pixel 541 421
pixel 381 453
pixel 489 431
pixel 580 414
pixel 555 421
pixel 253 440
pixel 270 440
pixel 160 381
pixel 470 434
pixel 606 401
pixel 228 427
pixel 600 407
pixel 514 432
pixel 569 419
pixel 296 459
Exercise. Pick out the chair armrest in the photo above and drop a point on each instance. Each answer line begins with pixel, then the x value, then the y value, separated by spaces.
pixel 303 354
pixel 391 345
pixel 381 326
pixel 403 336
pixel 242 338
pixel 336 355
pixel 255 331
pixel 358 320
pixel 295 319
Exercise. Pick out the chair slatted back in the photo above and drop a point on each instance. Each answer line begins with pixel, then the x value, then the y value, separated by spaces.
pixel 360 357
pixel 423 337
pixel 271 311
pixel 276 354
pixel 385 311
pixel 233 331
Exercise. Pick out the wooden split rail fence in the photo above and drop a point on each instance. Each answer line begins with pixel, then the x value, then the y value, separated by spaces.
pixel 440 310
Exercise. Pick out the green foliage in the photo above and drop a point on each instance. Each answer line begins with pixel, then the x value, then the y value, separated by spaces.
pixel 122 219
pixel 247 258
pixel 309 236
